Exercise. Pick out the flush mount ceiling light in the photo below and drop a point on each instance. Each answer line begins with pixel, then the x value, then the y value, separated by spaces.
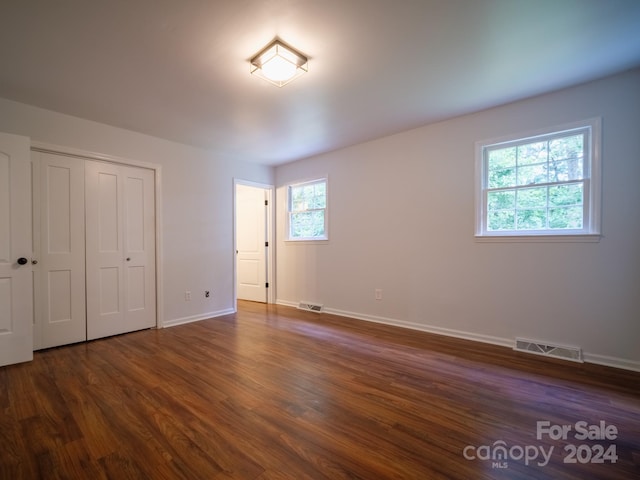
pixel 279 64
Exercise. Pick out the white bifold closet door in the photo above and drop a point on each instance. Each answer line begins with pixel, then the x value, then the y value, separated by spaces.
pixel 120 244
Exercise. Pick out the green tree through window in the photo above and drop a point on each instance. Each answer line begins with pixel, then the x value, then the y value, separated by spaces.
pixel 537 185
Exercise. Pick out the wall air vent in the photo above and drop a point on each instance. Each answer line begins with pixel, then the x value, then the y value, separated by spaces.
pixel 310 307
pixel 549 350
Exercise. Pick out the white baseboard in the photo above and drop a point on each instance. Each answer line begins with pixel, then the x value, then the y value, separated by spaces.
pixel 503 342
pixel 611 361
pixel 197 318
pixel 615 362
pixel 287 303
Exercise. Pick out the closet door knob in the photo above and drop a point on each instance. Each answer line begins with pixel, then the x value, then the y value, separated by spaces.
pixel 22 261
pixel 128 259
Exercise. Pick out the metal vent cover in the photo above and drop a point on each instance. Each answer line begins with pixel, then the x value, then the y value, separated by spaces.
pixel 310 307
pixel 549 350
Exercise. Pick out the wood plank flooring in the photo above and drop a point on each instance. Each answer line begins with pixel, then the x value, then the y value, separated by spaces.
pixel 276 393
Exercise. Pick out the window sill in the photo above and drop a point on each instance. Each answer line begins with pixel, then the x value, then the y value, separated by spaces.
pixel 577 238
pixel 310 241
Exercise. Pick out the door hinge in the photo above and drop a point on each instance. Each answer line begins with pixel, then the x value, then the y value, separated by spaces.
pixel 266 244
pixel 266 203
pixel 266 285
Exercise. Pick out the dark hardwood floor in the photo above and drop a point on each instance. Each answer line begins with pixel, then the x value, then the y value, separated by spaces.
pixel 276 393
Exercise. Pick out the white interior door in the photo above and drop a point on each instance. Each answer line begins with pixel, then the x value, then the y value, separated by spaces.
pixel 16 248
pixel 60 272
pixel 251 237
pixel 120 243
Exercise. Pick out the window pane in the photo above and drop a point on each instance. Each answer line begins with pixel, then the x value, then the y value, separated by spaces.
pixel 297 205
pixel 321 189
pixel 569 217
pixel 320 202
pixel 532 153
pixel 307 224
pixel 298 200
pixel 319 196
pixel 301 225
pixel 564 170
pixel 564 195
pixel 502 178
pixel 318 223
pixel 566 147
pixel 534 219
pixel 500 200
pixel 532 197
pixel 503 158
pixel 501 220
pixel 308 192
pixel 532 174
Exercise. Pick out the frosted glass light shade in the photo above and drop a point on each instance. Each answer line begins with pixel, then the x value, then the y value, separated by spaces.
pixel 279 64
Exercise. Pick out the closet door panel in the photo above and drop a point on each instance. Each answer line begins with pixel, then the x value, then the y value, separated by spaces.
pixel 60 273
pixel 120 249
pixel 109 250
pixel 139 235
pixel 105 290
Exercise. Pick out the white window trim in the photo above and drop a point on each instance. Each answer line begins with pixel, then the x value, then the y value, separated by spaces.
pixel 307 240
pixel 593 181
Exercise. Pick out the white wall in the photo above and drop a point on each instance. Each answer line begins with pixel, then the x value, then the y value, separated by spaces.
pixel 197 202
pixel 402 219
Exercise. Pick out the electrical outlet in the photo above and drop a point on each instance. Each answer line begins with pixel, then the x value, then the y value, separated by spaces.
pixel 378 293
pixel 187 296
pixel 206 294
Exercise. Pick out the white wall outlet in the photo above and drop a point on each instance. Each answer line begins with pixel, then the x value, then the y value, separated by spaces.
pixel 187 296
pixel 378 293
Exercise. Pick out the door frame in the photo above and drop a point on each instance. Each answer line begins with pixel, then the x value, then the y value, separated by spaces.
pixel 157 169
pixel 270 234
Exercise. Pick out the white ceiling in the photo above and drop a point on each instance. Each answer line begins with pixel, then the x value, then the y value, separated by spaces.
pixel 178 69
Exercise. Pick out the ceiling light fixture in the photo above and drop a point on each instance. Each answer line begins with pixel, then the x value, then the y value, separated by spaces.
pixel 279 64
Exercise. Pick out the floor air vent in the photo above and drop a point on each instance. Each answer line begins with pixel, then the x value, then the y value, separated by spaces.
pixel 549 350
pixel 310 307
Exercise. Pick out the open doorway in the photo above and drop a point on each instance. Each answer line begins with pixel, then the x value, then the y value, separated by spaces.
pixel 253 242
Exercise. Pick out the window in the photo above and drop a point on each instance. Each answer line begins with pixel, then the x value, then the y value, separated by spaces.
pixel 307 210
pixel 545 185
